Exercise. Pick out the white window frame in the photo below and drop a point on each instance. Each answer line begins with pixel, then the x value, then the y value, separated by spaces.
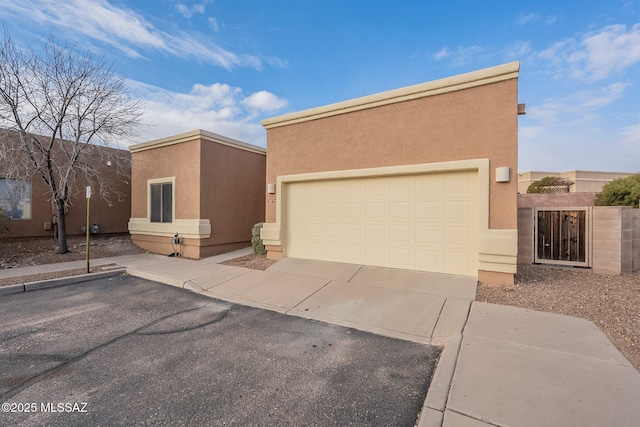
pixel 168 180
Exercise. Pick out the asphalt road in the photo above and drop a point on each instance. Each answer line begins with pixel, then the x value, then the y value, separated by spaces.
pixel 124 351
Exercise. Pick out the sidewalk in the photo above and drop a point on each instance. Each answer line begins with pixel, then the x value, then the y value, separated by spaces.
pixel 501 366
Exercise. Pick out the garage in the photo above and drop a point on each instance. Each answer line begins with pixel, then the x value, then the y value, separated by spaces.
pixel 424 222
pixel 415 178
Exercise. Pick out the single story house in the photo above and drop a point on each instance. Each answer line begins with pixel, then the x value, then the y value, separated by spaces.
pixel 583 181
pixel 196 194
pixel 29 212
pixel 420 178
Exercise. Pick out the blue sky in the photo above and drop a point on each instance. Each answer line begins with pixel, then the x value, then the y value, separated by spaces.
pixel 224 65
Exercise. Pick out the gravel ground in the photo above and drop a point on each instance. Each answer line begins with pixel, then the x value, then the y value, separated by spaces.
pixel 611 302
pixel 253 261
pixel 26 252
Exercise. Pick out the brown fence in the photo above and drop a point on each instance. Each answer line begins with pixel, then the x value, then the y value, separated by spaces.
pixel 611 232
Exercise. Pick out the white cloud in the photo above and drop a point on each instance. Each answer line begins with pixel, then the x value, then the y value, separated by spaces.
pixel 213 23
pixel 442 53
pixel 123 29
pixel 630 137
pixel 188 12
pixel 596 55
pixel 459 56
pixel 264 101
pixel 575 148
pixel 219 108
pixel 526 18
pixel 518 50
pixel 577 107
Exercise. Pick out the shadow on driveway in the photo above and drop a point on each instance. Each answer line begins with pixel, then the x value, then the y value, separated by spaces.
pixel 138 352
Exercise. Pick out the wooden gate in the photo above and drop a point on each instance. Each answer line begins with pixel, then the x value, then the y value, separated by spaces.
pixel 561 237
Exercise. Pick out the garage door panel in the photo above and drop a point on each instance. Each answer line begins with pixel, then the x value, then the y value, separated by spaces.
pixel 376 233
pixel 400 210
pixel 376 255
pixel 428 210
pixel 459 183
pixel 401 233
pixel 402 186
pixel 425 222
pixel 429 235
pixel 428 260
pixel 314 230
pixel 377 187
pixel 353 232
pixel 333 231
pixel 455 261
pixel 427 186
pixel 376 210
pixel 333 210
pixel 400 257
pixel 460 236
pixel 457 210
pixel 313 211
pixel 354 254
pixel 353 210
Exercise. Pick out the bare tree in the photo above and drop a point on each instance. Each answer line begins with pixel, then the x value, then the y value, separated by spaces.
pixel 60 109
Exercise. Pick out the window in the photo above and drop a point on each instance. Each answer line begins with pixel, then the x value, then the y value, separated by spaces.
pixel 15 198
pixel 161 202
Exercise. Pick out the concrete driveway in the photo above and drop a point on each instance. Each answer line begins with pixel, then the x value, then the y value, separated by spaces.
pixel 124 351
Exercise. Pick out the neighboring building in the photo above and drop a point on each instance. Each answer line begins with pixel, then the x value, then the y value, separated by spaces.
pixel 416 178
pixel 583 181
pixel 30 212
pixel 206 188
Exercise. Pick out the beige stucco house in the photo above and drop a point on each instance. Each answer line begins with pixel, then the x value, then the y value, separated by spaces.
pixel 583 181
pixel 206 188
pixel 421 178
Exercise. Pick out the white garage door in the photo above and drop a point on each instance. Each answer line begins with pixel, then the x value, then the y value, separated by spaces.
pixel 424 222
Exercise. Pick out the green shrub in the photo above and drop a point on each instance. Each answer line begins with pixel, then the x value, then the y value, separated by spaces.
pixel 549 184
pixel 620 192
pixel 256 240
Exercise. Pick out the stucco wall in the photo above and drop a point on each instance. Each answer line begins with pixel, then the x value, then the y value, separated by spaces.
pixel 479 122
pixel 525 235
pixel 616 239
pixel 219 193
pixel 232 192
pixel 181 161
pixel 111 216
pixel 556 200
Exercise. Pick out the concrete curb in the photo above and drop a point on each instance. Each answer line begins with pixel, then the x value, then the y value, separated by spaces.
pixel 62 281
pixel 155 277
pixel 11 289
pixel 436 401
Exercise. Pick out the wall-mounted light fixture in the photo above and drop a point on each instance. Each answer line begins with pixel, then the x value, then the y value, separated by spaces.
pixel 271 188
pixel 522 109
pixel 502 174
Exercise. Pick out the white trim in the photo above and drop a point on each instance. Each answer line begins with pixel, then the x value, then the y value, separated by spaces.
pixel 195 135
pixel 186 228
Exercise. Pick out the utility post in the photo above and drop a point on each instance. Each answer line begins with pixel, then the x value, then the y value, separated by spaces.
pixel 88 229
